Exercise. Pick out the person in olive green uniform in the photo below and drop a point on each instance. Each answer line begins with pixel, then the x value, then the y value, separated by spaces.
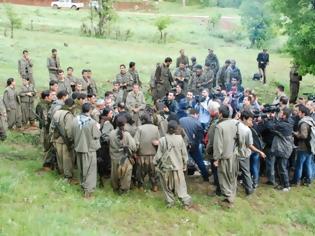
pixel 63 83
pixel 135 103
pixel 146 138
pixel 295 79
pixel 209 77
pixel 171 162
pixel 86 135
pixel 3 121
pixel 42 109
pixel 71 78
pixel 213 61
pixel 222 76
pixel 163 80
pixel 25 67
pixel 103 157
pixel 134 73
pixel 121 145
pixel 12 105
pixel 125 81
pixel 27 97
pixel 61 128
pixel 182 74
pixel 53 65
pixel 224 146
pixel 182 59
pixel 92 88
pixel 198 81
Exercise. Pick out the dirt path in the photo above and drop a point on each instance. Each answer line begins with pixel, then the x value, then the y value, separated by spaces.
pixel 226 22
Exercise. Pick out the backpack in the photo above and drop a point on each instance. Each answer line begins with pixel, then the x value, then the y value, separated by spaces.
pixel 310 141
pixel 256 76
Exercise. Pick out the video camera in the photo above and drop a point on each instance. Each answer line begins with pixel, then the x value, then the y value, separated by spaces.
pixel 268 108
pixel 271 108
pixel 199 98
pixel 217 95
pixel 310 96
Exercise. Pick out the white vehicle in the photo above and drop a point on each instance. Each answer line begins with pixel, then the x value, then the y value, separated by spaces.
pixel 94 4
pixel 67 4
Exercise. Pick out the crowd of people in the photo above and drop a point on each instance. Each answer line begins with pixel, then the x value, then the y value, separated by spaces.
pixel 201 114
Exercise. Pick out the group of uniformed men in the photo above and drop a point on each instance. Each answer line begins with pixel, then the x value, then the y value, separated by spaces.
pixel 123 138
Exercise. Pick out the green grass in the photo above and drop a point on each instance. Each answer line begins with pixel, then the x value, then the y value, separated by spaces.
pixel 42 204
pixel 35 204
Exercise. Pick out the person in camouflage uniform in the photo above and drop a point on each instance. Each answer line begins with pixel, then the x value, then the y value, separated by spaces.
pixel 198 81
pixel 135 104
pixel 222 78
pixel 233 72
pixel 182 74
pixel 213 61
pixel 125 81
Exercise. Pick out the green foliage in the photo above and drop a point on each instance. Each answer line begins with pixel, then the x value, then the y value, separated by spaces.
pixel 15 22
pixel 214 20
pixel 257 21
pixel 298 19
pixel 103 14
pixel 162 23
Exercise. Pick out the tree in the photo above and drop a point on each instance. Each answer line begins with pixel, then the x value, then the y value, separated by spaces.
pixel 106 14
pixel 298 19
pixel 15 21
pixel 162 23
pixel 101 15
pixel 256 19
pixel 214 20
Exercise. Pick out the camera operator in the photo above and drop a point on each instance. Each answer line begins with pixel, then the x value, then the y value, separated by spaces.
pixel 282 146
pixel 258 143
pixel 268 135
pixel 202 108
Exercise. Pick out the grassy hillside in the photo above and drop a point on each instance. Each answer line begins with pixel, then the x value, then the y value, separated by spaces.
pixel 54 28
pixel 33 203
